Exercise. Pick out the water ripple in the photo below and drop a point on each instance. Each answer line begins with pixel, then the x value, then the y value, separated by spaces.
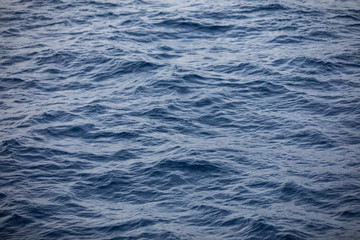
pixel 179 119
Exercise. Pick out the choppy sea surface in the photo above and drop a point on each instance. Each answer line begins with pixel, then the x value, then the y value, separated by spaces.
pixel 162 119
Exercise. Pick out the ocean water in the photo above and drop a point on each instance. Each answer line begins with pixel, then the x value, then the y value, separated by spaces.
pixel 164 119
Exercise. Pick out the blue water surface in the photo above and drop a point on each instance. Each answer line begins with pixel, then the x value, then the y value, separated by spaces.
pixel 170 119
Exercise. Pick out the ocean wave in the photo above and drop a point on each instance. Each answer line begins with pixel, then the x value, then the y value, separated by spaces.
pixel 179 119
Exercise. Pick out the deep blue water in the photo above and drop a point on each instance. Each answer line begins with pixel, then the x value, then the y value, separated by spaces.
pixel 164 119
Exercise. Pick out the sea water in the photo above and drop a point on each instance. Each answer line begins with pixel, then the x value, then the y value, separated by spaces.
pixel 164 119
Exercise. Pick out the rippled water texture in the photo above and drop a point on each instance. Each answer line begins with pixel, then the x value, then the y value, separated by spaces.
pixel 152 119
